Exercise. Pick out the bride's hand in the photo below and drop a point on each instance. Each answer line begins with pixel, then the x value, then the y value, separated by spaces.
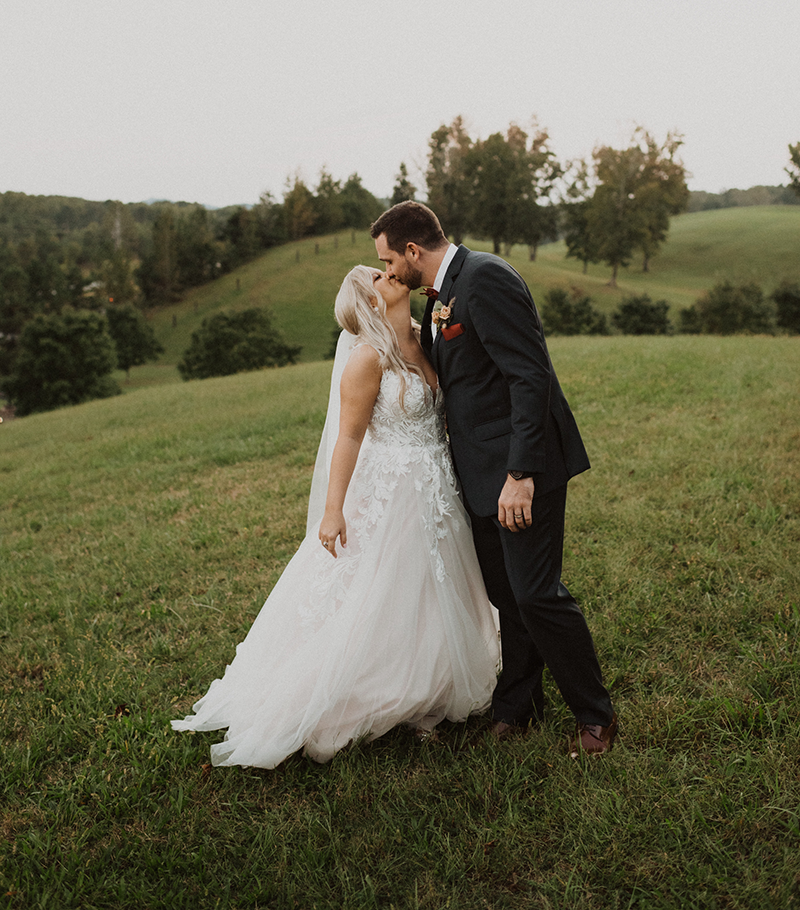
pixel 331 527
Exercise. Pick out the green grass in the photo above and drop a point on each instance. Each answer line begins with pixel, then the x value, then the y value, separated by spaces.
pixel 141 534
pixel 758 243
pixel 299 281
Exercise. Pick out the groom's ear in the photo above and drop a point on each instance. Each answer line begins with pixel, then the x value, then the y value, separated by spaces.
pixel 413 250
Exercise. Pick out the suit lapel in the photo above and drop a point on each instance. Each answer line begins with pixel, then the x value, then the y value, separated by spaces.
pixel 444 295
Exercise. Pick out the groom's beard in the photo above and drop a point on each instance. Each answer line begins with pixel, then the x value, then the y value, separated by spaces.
pixel 410 277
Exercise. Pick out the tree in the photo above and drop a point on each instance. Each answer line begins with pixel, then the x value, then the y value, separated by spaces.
pixel 728 309
pixel 571 314
pixel 615 221
pixel 575 203
pixel 533 218
pixel 638 189
pixel 787 303
pixel 134 338
pixel 663 191
pixel 62 359
pixel 269 217
pixel 242 235
pixel 328 204
pixel 299 211
pixel 445 178
pixel 359 207
pixel 158 271
pixel 404 189
pixel 489 167
pixel 794 167
pixel 116 284
pixel 228 343
pixel 640 316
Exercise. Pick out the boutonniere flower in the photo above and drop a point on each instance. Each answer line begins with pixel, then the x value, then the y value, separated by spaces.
pixel 442 315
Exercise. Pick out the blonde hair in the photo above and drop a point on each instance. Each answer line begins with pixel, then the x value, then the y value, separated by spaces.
pixel 357 314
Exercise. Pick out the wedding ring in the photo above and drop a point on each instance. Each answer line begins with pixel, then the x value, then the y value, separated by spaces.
pixel 325 544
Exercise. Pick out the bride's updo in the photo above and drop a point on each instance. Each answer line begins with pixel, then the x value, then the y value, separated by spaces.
pixel 360 310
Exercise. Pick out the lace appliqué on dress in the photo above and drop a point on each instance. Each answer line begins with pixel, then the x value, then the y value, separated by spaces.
pixel 409 440
pixel 400 442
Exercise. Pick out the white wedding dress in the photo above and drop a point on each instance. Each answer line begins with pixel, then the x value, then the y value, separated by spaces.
pixel 397 630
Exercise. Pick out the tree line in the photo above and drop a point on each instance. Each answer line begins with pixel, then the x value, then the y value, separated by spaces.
pixel 76 276
pixel 510 188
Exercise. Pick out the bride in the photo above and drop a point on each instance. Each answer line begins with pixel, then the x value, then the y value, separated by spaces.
pixel 381 617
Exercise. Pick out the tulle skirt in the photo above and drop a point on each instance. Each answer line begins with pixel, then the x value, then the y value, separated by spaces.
pixel 396 630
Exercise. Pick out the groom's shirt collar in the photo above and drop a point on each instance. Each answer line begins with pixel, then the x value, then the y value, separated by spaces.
pixel 448 258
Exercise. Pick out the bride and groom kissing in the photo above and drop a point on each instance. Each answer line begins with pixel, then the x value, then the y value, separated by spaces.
pixel 436 529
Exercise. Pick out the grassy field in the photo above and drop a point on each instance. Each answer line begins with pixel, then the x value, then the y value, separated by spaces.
pixel 299 281
pixel 141 534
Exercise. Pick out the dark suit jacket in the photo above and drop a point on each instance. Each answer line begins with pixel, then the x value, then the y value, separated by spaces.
pixel 505 407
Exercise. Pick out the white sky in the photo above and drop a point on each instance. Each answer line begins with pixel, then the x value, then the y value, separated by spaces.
pixel 215 101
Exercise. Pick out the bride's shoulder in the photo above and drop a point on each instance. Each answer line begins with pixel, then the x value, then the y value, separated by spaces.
pixel 363 366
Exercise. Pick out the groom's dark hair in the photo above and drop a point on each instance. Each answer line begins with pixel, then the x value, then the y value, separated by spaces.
pixel 409 222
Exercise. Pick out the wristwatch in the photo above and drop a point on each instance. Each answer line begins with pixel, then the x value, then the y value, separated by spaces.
pixel 520 475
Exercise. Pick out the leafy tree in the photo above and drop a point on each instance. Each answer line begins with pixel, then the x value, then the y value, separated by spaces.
pixel 489 167
pixel 404 189
pixel 728 309
pixel 794 167
pixel 638 189
pixel 197 251
pixel 62 359
pixel 269 216
pixel 242 235
pixel 328 204
pixel 663 191
pixel 787 303
pixel 115 279
pixel 158 272
pixel 510 177
pixel 640 316
pixel 359 207
pixel 575 203
pixel 533 218
pixel 445 178
pixel 228 343
pixel 299 211
pixel 571 314
pixel 616 223
pixel 134 338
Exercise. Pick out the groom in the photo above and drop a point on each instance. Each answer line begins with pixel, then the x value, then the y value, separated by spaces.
pixel 515 445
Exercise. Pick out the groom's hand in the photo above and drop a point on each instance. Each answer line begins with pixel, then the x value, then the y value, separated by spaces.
pixel 514 504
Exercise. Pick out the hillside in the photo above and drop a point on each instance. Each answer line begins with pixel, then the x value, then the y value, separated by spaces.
pixel 300 284
pixel 141 536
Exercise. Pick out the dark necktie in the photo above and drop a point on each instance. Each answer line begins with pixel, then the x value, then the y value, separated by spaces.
pixel 426 335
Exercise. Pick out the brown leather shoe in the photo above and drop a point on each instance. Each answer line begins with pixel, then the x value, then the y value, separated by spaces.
pixel 592 739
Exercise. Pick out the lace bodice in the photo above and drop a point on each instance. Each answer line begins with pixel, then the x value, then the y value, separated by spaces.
pixel 404 466
pixel 419 421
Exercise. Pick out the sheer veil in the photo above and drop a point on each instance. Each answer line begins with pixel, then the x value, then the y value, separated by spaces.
pixel 330 432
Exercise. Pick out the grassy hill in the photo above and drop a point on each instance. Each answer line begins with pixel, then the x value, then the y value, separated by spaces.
pixel 141 534
pixel 299 281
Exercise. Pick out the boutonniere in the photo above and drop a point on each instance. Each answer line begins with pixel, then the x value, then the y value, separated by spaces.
pixel 442 315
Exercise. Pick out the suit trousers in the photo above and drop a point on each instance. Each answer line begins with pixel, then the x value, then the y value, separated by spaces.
pixel 540 622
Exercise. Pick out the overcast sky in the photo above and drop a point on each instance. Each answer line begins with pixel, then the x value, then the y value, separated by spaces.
pixel 215 102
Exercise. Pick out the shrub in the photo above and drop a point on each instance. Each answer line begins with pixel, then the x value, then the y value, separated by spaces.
pixel 133 337
pixel 571 314
pixel 787 303
pixel 729 309
pixel 640 316
pixel 228 343
pixel 61 360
